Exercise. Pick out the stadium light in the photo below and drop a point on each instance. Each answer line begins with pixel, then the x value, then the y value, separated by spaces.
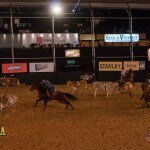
pixel 56 9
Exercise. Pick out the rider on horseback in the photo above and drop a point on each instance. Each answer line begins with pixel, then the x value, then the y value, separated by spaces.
pixel 48 86
pixel 123 74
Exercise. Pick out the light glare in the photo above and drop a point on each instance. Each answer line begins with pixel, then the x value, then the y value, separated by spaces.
pixel 56 9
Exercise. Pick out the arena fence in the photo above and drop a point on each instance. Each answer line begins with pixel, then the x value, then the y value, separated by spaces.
pixel 70 68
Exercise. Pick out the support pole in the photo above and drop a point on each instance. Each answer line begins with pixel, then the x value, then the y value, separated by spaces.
pixel 131 31
pixel 53 42
pixel 12 33
pixel 93 39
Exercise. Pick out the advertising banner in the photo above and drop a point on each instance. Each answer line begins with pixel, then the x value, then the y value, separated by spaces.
pixel 110 66
pixel 72 53
pixel 121 37
pixel 41 67
pixel 46 38
pixel 14 68
pixel 149 54
pixel 134 65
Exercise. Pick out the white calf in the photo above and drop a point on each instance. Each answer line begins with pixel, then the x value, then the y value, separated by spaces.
pixel 7 101
pixel 98 86
pixel 109 87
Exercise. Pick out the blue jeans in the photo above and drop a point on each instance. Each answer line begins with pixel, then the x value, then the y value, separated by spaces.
pixel 51 89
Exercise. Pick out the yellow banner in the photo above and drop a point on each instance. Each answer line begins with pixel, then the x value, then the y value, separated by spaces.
pixel 88 37
pixel 110 66
pixel 134 65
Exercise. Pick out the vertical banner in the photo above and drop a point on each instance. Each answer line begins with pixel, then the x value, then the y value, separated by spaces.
pixel 134 65
pixel 14 68
pixel 110 66
pixel 41 67
pixel 149 54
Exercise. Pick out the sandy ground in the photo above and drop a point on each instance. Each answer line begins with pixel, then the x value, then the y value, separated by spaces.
pixel 118 123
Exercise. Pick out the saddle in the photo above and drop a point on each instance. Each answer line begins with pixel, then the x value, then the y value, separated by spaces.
pixel 51 95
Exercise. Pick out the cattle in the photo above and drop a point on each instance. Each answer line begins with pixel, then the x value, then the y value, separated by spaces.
pixel 109 87
pixel 77 85
pixel 9 82
pixel 7 101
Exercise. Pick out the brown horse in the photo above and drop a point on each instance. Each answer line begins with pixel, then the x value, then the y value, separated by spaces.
pixel 128 78
pixel 146 92
pixel 56 95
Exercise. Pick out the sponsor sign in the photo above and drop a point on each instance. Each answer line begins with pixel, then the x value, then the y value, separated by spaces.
pixel 71 62
pixel 134 65
pixel 142 65
pixel 87 37
pixel 121 38
pixel 46 38
pixel 41 67
pixel 110 66
pixel 39 40
pixel 72 53
pixel 149 54
pixel 14 68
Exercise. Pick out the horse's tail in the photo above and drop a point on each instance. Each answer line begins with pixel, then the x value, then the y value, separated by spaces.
pixel 70 96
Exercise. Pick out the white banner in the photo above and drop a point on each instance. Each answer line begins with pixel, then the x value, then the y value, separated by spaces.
pixel 134 65
pixel 41 67
pixel 121 37
pixel 46 38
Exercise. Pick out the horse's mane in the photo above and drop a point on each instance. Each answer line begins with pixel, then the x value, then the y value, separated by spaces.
pixel 41 87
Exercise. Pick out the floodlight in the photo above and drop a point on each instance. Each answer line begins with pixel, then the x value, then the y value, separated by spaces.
pixel 56 9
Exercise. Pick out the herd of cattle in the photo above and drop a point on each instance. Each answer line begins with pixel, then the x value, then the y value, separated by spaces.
pixel 7 101
pixel 9 82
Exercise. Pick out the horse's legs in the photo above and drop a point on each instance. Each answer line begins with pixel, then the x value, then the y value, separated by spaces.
pixel 37 101
pixel 67 103
pixel 142 96
pixel 130 93
pixel 45 102
pixel 67 106
pixel 70 105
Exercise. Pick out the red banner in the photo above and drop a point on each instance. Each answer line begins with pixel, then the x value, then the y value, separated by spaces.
pixel 14 68
pixel 149 54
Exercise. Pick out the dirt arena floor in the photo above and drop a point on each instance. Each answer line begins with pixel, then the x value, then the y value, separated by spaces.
pixel 118 123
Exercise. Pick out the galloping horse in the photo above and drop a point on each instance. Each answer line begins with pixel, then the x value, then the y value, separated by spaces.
pixel 56 95
pixel 128 78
